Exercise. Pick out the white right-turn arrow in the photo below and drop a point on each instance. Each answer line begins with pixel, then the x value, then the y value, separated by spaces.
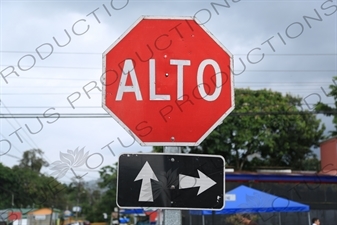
pixel 203 182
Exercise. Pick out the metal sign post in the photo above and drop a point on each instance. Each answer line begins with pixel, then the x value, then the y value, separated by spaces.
pixel 172 216
pixel 171 182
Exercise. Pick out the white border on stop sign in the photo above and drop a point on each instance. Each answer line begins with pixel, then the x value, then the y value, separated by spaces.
pixel 219 121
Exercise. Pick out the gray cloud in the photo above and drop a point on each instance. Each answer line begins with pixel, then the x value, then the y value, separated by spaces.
pixel 301 66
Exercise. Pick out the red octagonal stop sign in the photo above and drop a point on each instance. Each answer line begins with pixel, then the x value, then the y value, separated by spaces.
pixel 168 81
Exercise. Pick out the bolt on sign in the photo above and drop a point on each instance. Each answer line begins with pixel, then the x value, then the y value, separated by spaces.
pixel 168 81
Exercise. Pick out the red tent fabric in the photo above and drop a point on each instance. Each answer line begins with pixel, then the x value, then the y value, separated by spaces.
pixel 14 216
pixel 152 215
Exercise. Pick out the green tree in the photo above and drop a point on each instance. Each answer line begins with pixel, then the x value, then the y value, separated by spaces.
pixel 24 185
pixel 20 187
pixel 265 125
pixel 7 179
pixel 37 190
pixel 32 159
pixel 78 195
pixel 328 110
pixel 312 164
pixel 107 201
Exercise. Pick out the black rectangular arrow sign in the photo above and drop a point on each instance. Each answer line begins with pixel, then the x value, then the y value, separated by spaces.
pixel 171 181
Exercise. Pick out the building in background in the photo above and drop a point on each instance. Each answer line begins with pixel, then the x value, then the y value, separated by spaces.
pixel 44 216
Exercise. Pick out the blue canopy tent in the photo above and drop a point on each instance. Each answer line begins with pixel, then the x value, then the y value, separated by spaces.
pixel 139 212
pixel 132 211
pixel 248 200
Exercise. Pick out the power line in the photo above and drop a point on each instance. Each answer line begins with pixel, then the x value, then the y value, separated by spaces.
pixel 11 145
pixel 298 90
pixel 65 53
pixel 99 68
pixel 23 137
pixel 25 132
pixel 62 67
pixel 315 83
pixel 66 107
pixel 100 53
pixel 105 115
pixel 100 107
pixel 13 156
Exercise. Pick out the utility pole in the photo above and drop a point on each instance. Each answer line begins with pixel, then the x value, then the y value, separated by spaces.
pixel 51 216
pixel 77 208
pixel 78 196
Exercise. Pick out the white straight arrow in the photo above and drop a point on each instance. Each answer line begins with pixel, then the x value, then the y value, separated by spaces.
pixel 146 174
pixel 203 182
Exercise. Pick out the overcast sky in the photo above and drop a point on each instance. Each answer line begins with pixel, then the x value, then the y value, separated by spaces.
pixel 300 57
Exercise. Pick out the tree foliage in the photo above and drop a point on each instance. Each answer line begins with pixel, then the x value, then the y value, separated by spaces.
pixel 20 187
pixel 33 160
pixel 265 129
pixel 7 180
pixel 328 110
pixel 24 185
pixel 107 201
